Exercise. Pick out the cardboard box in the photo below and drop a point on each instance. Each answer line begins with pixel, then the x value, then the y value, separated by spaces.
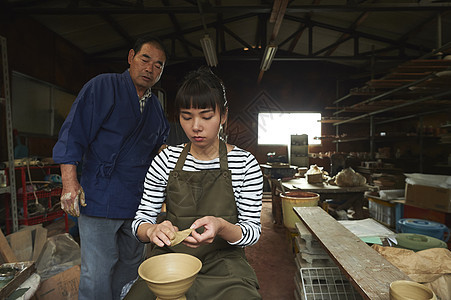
pixel 429 197
pixel 314 178
pixel 63 285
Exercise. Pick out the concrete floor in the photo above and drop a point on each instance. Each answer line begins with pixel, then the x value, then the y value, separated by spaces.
pixel 273 259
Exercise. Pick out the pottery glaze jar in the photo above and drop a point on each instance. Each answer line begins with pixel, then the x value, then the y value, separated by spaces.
pixel 292 199
pixel 410 290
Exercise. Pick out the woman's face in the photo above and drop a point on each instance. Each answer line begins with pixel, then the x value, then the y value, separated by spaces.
pixel 201 125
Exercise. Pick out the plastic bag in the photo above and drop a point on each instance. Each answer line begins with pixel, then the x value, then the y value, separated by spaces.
pixel 60 253
pixel 348 177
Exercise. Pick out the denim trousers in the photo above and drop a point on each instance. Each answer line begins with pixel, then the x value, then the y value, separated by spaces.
pixel 110 257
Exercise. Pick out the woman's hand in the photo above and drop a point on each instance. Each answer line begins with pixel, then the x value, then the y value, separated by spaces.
pixel 212 227
pixel 162 233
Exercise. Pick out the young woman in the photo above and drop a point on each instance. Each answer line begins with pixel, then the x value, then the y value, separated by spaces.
pixel 207 185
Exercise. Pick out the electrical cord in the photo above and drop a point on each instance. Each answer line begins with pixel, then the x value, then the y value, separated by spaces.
pixel 38 206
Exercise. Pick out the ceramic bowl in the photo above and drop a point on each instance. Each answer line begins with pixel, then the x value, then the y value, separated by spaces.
pixel 410 290
pixel 170 275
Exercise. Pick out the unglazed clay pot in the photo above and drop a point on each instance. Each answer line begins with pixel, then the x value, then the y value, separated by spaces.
pixel 410 290
pixel 170 275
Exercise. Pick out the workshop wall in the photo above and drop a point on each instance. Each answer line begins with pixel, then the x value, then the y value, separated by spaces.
pixel 287 86
pixel 36 52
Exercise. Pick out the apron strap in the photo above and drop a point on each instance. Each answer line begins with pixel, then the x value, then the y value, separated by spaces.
pixel 182 158
pixel 222 156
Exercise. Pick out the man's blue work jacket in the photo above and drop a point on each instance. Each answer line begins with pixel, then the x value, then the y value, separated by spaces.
pixel 106 130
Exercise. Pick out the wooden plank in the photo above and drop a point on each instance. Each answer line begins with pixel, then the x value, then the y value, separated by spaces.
pixel 407 75
pixel 390 81
pixel 368 271
pixel 24 270
pixel 418 69
pixel 22 245
pixel 429 62
pixel 40 238
pixel 5 250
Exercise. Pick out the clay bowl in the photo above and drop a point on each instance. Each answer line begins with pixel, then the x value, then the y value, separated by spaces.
pixel 170 275
pixel 410 290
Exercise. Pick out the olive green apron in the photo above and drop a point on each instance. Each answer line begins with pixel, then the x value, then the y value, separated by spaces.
pixel 225 272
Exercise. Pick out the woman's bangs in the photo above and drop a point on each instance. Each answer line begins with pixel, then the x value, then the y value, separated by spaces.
pixel 198 97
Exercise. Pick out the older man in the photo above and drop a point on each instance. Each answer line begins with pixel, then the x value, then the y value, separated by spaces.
pixel 115 127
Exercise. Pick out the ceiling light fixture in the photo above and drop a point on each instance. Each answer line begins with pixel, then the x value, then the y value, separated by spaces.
pixel 209 50
pixel 268 57
pixel 207 43
pixel 446 73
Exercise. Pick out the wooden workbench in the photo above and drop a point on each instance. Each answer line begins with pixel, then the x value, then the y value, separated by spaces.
pixel 368 271
pixel 325 188
pixel 347 196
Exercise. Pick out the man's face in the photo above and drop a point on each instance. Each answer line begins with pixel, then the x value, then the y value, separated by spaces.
pixel 146 66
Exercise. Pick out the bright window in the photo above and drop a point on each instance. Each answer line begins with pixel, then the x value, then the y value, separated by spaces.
pixel 276 128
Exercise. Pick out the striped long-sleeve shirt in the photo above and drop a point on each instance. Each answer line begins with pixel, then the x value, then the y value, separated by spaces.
pixel 247 182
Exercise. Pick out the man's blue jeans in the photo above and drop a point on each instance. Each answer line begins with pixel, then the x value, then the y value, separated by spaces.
pixel 110 257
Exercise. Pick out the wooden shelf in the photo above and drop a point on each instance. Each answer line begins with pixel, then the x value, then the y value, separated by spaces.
pixel 347 140
pixel 410 88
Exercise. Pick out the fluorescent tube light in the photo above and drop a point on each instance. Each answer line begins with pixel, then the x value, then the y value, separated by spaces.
pixel 209 51
pixel 446 73
pixel 268 57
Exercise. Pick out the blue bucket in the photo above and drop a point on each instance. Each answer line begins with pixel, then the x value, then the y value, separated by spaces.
pixel 420 226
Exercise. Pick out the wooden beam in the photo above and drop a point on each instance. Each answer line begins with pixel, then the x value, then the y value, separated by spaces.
pixel 177 29
pixel 345 36
pixel 301 29
pixel 280 16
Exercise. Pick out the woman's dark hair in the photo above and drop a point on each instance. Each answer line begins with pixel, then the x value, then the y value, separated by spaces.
pixel 201 89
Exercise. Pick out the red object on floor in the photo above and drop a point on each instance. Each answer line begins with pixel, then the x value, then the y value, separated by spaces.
pixel 427 214
pixel 24 196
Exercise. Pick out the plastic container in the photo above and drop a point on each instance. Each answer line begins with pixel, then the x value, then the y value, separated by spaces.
pixel 420 226
pixel 382 211
pixel 418 242
pixel 294 199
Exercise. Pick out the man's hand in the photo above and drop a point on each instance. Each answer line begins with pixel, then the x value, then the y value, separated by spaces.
pixel 73 195
pixel 71 201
